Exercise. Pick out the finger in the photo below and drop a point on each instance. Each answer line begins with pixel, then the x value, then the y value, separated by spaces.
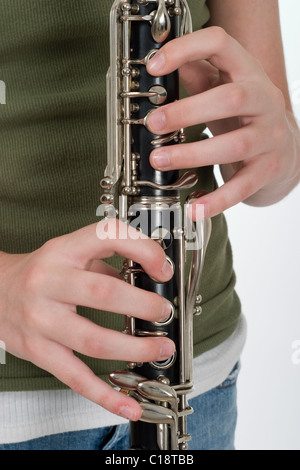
pixel 92 340
pixel 77 287
pixel 234 146
pixel 70 370
pixel 100 267
pixel 222 102
pixel 111 237
pixel 245 182
pixel 199 76
pixel 212 44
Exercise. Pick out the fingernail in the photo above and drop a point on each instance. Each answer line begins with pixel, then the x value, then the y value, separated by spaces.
pixel 156 63
pixel 167 350
pixel 156 121
pixel 167 270
pixel 161 160
pixel 128 413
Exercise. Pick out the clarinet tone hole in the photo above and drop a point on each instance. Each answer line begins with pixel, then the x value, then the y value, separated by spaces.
pixel 164 365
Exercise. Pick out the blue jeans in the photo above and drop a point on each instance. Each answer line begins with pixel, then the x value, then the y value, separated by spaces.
pixel 212 426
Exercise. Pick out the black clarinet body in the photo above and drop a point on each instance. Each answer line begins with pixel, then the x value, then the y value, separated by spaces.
pixel 144 435
pixel 150 201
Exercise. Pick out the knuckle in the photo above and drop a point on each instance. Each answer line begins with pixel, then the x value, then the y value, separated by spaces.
pixel 76 384
pixel 31 318
pixel 93 346
pixel 51 245
pixel 33 278
pixel 220 37
pixel 236 98
pixel 30 349
pixel 51 248
pixel 107 229
pixel 35 321
pixel 246 190
pixel 241 147
pixel 102 291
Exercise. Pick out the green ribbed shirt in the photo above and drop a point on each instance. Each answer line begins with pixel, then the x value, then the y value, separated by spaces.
pixel 54 55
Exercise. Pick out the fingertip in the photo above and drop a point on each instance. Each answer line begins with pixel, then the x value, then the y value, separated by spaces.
pixel 156 264
pixel 198 210
pixel 156 121
pixel 160 160
pixel 132 412
pixel 156 63
pixel 167 350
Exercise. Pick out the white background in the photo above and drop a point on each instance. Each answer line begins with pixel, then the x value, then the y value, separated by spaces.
pixel 267 261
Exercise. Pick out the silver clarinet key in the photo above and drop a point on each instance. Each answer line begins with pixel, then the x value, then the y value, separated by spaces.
pixel 161 24
pixel 126 380
pixel 155 414
pixel 158 391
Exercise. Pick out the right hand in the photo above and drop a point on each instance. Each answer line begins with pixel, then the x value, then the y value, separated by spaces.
pixel 39 293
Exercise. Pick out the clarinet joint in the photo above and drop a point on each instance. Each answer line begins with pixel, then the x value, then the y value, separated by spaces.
pixel 138 29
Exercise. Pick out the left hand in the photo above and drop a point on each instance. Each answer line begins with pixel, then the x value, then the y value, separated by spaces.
pixel 255 141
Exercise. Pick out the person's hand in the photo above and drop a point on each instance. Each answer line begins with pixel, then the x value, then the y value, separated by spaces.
pixel 39 293
pixel 255 141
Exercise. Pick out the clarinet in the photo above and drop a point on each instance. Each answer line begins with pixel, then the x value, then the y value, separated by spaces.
pixel 149 200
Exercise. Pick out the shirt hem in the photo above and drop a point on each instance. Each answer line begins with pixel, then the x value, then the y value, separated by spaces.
pixel 31 415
